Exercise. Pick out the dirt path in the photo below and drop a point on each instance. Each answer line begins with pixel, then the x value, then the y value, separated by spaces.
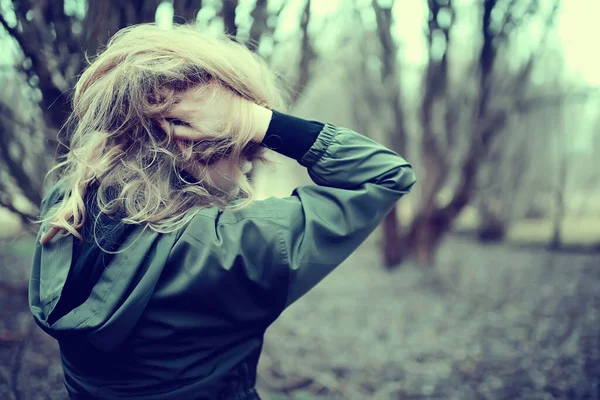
pixel 489 323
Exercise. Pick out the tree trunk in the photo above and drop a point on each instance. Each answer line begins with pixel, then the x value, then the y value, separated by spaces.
pixel 426 234
pixel 425 244
pixel 259 27
pixel 492 224
pixel 559 202
pixel 186 10
pixel 228 14
pixel 393 251
pixel 556 240
pixel 419 244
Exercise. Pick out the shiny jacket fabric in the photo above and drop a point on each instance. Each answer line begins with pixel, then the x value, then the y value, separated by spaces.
pixel 182 315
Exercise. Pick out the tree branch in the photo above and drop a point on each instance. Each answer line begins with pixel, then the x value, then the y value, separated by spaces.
pixel 51 82
pixel 390 74
pixel 490 123
pixel 186 9
pixel 488 129
pixel 15 168
pixel 8 115
pixel 7 203
pixel 259 27
pixel 383 16
pixel 228 13
pixel 554 100
pixel 435 159
pixel 307 54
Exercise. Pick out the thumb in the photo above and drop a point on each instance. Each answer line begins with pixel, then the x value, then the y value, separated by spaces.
pixel 185 132
pixel 180 130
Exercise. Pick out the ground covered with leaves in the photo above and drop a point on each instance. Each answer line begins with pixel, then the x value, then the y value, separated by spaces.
pixel 489 322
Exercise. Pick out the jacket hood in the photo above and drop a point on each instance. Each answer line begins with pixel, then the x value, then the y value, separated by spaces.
pixel 78 289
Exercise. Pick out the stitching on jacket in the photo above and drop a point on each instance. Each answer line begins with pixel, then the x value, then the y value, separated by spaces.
pixel 284 263
pixel 52 261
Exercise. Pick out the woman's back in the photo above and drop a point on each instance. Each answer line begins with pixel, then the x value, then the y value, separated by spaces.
pixel 182 313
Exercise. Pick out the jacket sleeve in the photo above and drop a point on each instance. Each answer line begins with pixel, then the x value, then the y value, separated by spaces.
pixel 288 245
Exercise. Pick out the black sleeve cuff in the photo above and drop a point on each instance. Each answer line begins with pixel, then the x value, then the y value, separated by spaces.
pixel 291 136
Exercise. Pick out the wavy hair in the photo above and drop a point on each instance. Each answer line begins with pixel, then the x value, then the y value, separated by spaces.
pixel 116 142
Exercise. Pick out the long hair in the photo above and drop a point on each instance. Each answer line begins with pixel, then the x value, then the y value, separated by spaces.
pixel 116 142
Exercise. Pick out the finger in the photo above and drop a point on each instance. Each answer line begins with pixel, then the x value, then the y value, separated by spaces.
pixel 177 112
pixel 182 110
pixel 179 132
pixel 166 126
pixel 193 101
pixel 49 235
pixel 185 132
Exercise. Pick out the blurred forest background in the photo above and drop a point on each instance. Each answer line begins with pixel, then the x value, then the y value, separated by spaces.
pixel 483 283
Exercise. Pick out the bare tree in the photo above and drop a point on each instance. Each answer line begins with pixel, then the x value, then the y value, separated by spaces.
pixel 458 128
pixel 397 131
pixel 490 118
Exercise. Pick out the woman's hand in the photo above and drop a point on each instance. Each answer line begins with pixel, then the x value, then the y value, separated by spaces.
pixel 211 112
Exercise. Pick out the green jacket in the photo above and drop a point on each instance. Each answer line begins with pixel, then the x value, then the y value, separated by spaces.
pixel 182 315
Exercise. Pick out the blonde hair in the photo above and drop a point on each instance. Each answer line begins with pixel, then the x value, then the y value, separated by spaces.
pixel 115 138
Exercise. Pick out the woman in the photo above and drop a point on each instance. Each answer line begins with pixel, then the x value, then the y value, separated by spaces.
pixel 156 270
